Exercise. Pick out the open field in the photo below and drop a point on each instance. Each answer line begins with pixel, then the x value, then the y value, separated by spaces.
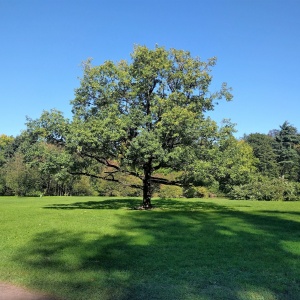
pixel 98 248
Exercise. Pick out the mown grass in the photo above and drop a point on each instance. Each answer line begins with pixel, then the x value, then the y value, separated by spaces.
pixel 98 248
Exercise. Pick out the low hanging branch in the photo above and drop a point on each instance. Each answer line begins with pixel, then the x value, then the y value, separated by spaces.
pixel 109 177
pixel 165 181
pixel 109 164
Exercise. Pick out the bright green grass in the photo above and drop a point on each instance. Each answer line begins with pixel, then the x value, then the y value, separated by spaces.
pixel 97 248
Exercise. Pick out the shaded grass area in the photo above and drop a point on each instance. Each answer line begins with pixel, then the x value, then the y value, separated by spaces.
pixel 98 248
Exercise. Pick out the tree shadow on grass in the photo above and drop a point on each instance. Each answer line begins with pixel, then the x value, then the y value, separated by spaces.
pixel 131 203
pixel 178 254
pixel 295 213
pixel 113 203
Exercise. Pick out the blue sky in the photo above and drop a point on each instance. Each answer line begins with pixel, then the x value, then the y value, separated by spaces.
pixel 257 43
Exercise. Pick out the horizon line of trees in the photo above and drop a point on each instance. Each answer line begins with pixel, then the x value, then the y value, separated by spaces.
pixel 257 166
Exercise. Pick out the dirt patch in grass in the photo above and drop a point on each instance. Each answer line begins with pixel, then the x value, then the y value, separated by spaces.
pixel 12 292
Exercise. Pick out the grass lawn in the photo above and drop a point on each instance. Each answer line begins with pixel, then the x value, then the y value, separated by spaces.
pixel 97 248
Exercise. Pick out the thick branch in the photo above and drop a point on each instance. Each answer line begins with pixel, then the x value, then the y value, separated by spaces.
pixel 107 163
pixel 110 174
pixel 165 181
pixel 109 177
pixel 100 160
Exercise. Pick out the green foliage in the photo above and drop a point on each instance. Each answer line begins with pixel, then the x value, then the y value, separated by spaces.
pixel 169 192
pixel 224 163
pixel 5 146
pixel 268 189
pixel 50 159
pixel 287 141
pixel 20 178
pixel 196 192
pixel 235 164
pixel 83 187
pixel 108 188
pixel 112 188
pixel 2 184
pixel 263 150
pixel 144 115
pixel 51 127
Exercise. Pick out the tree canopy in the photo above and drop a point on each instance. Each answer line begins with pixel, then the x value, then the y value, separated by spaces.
pixel 144 115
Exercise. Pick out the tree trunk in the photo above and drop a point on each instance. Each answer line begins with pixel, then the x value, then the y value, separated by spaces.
pixel 147 187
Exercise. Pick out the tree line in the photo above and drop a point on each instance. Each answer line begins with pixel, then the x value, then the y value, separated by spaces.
pixel 141 128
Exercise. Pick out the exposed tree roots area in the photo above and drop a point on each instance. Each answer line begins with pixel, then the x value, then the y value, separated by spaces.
pixel 143 207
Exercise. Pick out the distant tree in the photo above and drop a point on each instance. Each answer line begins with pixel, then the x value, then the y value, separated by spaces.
pixel 286 143
pixel 20 178
pixel 262 145
pixel 234 164
pixel 5 145
pixel 136 118
pixel 52 162
pixel 44 149
pixel 51 128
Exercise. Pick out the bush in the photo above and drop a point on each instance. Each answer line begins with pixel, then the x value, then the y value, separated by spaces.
pixel 267 189
pixel 201 192
pixel 196 192
pixel 169 191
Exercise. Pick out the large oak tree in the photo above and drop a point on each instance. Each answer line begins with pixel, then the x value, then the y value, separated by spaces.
pixel 140 116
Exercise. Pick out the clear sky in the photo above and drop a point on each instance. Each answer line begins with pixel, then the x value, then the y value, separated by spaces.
pixel 257 43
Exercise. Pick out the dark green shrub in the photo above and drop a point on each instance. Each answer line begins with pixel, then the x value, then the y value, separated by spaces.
pixel 267 189
pixel 196 192
pixel 189 192
pixel 201 192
